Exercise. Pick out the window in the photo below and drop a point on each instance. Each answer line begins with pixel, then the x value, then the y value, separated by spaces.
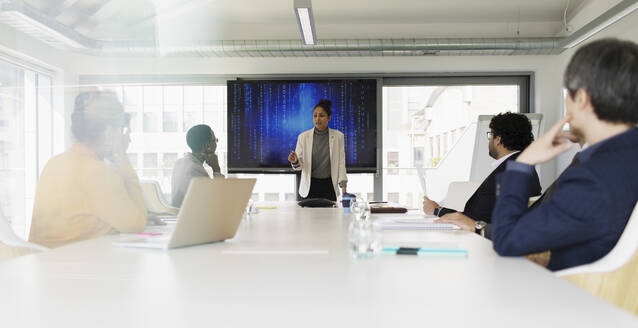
pixel 26 140
pixel 150 160
pixel 151 122
pixel 179 107
pixel 133 159
pixel 149 164
pixel 193 106
pixel 170 122
pixel 393 197
pixel 173 102
pixel 290 196
pixel 169 160
pixel 270 186
pixel 422 125
pixel 271 197
pixel 393 161
pixel 426 125
pixel 167 112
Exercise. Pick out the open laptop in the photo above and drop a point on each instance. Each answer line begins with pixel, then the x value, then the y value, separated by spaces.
pixel 212 211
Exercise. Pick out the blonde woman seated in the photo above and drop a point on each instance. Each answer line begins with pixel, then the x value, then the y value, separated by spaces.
pixel 91 189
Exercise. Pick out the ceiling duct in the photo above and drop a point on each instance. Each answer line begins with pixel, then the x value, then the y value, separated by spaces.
pixel 346 48
pixel 50 31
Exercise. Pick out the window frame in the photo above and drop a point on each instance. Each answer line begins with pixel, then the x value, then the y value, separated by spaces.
pixel 524 79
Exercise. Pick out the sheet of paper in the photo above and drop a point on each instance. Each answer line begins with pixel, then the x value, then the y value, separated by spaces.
pixel 407 223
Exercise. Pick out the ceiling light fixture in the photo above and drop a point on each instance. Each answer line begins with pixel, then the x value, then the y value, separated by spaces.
pixel 19 15
pixel 303 11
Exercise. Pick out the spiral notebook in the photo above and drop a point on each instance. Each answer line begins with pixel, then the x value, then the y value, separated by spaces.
pixel 425 223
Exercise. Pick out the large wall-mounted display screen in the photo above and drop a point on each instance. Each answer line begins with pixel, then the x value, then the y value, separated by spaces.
pixel 266 116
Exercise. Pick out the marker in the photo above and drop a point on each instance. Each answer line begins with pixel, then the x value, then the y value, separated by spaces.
pixel 425 251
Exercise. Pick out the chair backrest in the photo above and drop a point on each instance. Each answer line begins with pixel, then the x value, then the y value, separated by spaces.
pixel 9 252
pixel 618 256
pixel 613 277
pixel 10 240
pixel 458 192
pixel 154 200
pixel 6 233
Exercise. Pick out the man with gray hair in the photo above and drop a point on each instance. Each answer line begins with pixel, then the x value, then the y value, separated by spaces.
pixel 594 198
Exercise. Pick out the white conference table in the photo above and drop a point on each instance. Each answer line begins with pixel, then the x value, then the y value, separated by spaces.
pixel 290 267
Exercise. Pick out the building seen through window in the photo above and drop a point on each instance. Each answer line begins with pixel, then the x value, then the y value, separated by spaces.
pixel 424 124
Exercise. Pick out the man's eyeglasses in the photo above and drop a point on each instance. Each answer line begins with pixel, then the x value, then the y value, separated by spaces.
pixel 489 135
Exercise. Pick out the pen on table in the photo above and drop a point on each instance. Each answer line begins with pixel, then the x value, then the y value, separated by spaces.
pixel 425 251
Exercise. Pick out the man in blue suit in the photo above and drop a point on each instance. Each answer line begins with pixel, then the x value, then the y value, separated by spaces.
pixel 593 199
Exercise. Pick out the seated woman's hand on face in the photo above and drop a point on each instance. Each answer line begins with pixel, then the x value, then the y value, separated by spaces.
pixel 119 144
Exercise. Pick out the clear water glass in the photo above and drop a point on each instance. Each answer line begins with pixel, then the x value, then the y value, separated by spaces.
pixel 361 209
pixel 251 209
pixel 364 239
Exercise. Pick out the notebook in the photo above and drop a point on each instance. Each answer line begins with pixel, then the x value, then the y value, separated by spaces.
pixel 386 208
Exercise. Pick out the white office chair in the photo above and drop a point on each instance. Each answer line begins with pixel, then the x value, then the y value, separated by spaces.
pixel 613 277
pixel 458 192
pixel 618 256
pixel 11 245
pixel 154 198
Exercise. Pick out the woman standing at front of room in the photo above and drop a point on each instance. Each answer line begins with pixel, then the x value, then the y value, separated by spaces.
pixel 320 155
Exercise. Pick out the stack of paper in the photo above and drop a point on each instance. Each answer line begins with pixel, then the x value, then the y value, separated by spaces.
pixel 413 224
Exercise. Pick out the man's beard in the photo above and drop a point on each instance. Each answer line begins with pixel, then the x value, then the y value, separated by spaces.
pixel 491 151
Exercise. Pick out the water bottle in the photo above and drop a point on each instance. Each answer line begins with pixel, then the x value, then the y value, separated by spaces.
pixel 364 239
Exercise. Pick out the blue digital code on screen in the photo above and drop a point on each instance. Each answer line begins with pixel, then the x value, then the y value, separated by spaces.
pixel 265 118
